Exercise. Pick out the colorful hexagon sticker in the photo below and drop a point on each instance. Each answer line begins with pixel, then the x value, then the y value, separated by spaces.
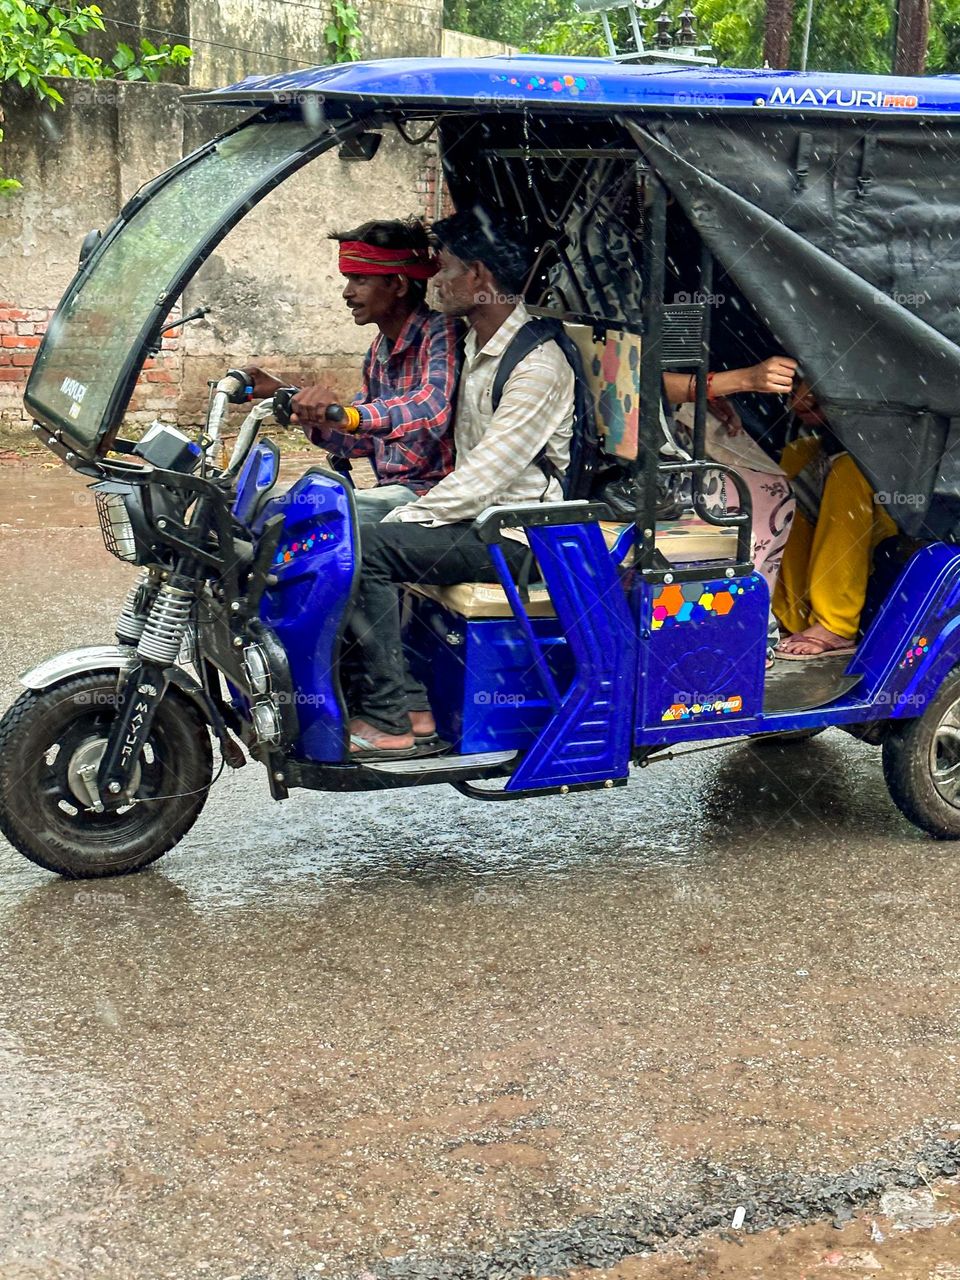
pixel 671 599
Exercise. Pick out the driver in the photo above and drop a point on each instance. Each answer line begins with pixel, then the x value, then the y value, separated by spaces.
pixel 401 419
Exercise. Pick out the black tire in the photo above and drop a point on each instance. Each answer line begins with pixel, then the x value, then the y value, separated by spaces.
pixel 921 764
pixel 41 812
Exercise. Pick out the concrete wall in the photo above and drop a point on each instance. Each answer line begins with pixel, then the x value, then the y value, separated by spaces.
pixel 236 38
pixel 272 284
pixel 275 31
pixel 457 44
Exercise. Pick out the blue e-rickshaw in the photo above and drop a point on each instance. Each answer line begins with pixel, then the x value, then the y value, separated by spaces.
pixel 682 218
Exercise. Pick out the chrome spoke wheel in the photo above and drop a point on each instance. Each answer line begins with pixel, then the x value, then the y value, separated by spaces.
pixel 945 756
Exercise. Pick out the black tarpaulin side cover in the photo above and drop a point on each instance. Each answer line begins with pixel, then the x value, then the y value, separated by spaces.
pixel 888 381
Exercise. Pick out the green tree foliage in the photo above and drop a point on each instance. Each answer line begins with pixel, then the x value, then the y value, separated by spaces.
pixel 855 35
pixel 342 33
pixel 525 23
pixel 852 35
pixel 846 35
pixel 40 41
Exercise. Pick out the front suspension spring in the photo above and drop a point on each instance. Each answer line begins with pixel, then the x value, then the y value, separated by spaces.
pixel 136 609
pixel 165 626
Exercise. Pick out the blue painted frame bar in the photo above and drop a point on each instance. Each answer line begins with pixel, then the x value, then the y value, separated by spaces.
pixel 587 739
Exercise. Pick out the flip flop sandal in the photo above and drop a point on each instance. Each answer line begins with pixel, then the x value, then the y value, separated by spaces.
pixel 436 747
pixel 825 651
pixel 367 750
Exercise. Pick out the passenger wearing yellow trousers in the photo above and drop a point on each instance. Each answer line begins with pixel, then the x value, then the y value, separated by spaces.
pixel 822 586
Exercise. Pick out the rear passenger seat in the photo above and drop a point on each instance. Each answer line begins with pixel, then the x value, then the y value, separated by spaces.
pixel 680 541
pixel 612 369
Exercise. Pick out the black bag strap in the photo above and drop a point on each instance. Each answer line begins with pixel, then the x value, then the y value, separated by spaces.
pixel 535 333
pixel 585 445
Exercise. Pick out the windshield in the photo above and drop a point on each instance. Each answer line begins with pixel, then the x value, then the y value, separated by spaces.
pixel 84 373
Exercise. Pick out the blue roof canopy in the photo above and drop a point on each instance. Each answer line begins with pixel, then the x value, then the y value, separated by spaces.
pixel 526 80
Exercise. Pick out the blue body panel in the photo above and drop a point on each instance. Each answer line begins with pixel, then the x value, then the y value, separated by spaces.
pixel 315 568
pixel 258 476
pixel 505 83
pixel 486 693
pixel 626 664
pixel 702 653
pixel 915 638
pixel 587 738
pixel 909 648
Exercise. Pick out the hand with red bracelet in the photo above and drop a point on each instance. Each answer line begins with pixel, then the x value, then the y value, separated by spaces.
pixel 770 377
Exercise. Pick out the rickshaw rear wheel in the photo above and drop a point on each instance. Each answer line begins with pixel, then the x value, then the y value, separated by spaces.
pixel 921 764
pixel 50 745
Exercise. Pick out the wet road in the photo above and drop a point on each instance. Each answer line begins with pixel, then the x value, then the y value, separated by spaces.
pixel 329 1032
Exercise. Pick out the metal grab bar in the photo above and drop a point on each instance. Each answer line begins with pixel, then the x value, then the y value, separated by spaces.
pixel 742 521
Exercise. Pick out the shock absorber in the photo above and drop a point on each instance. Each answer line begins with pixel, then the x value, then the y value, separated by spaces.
pixel 136 609
pixel 165 627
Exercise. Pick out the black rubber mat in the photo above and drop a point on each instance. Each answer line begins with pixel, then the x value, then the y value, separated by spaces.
pixel 800 686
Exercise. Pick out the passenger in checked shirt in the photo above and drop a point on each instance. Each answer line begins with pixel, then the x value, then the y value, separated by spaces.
pixel 402 418
pixel 483 264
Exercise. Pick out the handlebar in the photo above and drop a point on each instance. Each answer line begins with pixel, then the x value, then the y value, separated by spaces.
pixel 235 388
pixel 282 407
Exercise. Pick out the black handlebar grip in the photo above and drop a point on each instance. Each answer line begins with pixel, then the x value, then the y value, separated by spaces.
pixel 282 404
pixel 283 407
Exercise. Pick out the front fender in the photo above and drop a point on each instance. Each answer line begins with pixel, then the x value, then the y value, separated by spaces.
pixel 119 658
pixel 75 662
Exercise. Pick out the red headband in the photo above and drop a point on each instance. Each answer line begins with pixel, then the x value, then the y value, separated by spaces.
pixel 358 258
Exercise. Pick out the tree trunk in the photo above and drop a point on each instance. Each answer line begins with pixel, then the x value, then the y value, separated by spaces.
pixel 913 30
pixel 778 26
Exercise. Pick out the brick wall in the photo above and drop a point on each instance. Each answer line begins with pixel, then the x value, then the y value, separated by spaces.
pixel 159 386
pixel 21 331
pixel 272 286
pixel 20 334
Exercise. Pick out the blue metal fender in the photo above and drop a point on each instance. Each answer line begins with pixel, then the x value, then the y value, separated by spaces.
pixel 914 641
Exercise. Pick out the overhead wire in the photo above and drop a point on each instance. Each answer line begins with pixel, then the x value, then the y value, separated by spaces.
pixel 234 48
pixel 215 44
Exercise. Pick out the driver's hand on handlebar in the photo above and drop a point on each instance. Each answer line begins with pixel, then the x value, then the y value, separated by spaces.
pixel 774 375
pixel 309 406
pixel 264 384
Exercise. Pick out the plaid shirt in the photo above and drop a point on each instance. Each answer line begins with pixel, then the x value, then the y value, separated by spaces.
pixel 496 450
pixel 406 404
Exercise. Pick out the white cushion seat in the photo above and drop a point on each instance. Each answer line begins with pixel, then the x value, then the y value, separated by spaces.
pixel 684 540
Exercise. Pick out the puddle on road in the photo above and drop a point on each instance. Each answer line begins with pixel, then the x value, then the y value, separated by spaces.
pixel 346 1026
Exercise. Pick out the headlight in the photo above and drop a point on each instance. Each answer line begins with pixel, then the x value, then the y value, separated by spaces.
pixel 116 525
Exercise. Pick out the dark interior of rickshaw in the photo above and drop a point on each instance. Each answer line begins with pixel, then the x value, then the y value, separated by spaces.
pixel 597 214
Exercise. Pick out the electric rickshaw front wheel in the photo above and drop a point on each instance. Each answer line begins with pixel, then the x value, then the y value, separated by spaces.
pixel 921 763
pixel 51 743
